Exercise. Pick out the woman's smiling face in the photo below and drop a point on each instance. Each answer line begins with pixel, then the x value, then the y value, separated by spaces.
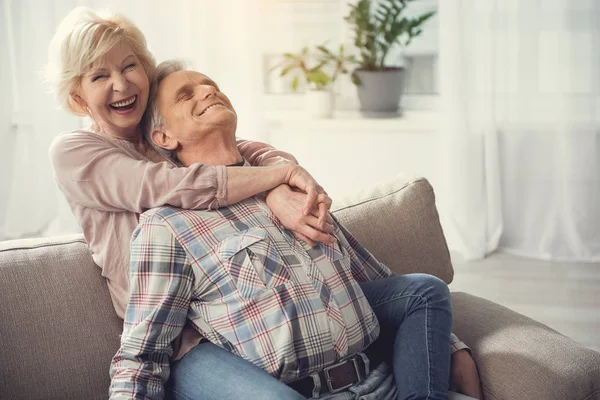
pixel 115 92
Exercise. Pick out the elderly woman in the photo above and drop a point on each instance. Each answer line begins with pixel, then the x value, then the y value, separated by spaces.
pixel 101 68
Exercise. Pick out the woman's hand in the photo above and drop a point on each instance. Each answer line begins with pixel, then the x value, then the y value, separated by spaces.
pixel 288 206
pixel 316 196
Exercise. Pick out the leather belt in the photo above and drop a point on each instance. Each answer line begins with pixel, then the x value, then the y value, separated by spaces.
pixel 334 378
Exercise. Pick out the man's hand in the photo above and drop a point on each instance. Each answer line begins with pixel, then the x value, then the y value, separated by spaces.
pixel 316 196
pixel 288 206
pixel 464 377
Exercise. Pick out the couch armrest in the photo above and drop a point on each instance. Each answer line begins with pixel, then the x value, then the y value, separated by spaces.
pixel 399 224
pixel 58 327
pixel 519 358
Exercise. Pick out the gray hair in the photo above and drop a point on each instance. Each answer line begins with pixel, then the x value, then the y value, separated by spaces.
pixel 154 120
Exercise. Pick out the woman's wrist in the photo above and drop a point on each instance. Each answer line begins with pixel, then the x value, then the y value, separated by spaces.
pixel 285 171
pixel 276 192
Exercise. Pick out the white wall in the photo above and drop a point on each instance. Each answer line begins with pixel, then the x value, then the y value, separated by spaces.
pixel 349 154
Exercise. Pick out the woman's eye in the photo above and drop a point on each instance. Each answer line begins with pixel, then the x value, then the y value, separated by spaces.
pixel 129 67
pixel 95 78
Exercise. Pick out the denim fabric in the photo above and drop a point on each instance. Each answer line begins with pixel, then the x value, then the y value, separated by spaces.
pixel 415 316
pixel 209 372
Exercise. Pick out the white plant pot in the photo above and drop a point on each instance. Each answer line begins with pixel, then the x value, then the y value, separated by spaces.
pixel 319 103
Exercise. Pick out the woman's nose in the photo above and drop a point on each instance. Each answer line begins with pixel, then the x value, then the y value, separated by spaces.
pixel 120 83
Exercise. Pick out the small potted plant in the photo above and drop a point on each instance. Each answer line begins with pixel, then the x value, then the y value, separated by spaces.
pixel 377 30
pixel 319 69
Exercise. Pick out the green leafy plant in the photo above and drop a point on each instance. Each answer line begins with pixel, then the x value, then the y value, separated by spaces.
pixel 314 67
pixel 377 30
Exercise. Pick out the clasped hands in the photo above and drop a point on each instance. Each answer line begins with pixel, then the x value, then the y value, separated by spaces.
pixel 302 206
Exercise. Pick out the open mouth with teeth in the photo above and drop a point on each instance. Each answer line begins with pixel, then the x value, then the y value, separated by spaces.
pixel 210 107
pixel 124 105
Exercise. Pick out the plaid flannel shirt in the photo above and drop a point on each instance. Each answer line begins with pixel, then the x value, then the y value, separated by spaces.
pixel 246 284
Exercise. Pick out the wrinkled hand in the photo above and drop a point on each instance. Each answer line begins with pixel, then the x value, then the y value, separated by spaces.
pixel 316 196
pixel 288 206
pixel 464 377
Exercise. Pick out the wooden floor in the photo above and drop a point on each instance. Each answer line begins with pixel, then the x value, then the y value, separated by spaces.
pixel 564 296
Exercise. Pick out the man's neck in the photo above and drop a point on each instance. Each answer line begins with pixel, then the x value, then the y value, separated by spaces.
pixel 215 151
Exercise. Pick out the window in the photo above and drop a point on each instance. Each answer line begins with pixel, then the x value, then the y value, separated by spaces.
pixel 290 25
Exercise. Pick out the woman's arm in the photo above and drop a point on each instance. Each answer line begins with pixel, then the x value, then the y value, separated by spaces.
pixel 97 174
pixel 244 182
pixel 263 155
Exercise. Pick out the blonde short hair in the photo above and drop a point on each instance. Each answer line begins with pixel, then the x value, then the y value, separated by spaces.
pixel 84 36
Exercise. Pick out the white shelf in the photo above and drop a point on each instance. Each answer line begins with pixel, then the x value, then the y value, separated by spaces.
pixel 349 151
pixel 353 121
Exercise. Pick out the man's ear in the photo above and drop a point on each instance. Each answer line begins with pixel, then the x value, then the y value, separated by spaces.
pixel 164 141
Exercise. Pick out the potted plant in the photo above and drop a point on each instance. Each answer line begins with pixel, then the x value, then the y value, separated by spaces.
pixel 377 30
pixel 319 70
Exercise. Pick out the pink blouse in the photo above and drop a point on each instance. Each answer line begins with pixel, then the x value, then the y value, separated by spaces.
pixel 108 183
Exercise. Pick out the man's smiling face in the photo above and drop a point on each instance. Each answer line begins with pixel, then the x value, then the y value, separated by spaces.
pixel 193 106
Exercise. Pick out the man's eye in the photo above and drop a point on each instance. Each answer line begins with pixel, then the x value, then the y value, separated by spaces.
pixel 184 96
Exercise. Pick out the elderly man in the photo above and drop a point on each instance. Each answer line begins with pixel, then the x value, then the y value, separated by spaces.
pixel 308 315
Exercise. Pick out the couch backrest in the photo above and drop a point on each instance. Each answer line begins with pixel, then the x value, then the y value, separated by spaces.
pixel 58 328
pixel 399 224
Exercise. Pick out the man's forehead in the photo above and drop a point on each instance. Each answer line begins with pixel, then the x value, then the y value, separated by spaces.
pixel 181 78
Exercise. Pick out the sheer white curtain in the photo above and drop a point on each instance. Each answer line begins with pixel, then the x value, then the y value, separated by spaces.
pixel 520 88
pixel 218 38
pixel 30 203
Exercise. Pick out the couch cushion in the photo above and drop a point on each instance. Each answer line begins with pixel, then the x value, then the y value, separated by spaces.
pixel 519 358
pixel 399 223
pixel 58 329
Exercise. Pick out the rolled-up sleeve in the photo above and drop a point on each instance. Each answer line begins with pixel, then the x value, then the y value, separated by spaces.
pixel 260 154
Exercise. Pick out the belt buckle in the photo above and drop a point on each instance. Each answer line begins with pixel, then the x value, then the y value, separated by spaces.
pixel 328 377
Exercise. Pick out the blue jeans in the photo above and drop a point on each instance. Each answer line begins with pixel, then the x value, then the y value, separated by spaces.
pixel 415 317
pixel 209 372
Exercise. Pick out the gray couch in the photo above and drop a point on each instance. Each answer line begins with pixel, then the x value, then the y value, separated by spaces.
pixel 58 330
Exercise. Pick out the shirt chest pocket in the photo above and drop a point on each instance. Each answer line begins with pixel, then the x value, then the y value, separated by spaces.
pixel 252 261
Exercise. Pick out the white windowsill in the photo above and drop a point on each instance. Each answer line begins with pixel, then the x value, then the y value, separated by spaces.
pixel 412 121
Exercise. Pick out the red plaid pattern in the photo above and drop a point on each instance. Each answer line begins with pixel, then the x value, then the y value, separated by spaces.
pixel 246 284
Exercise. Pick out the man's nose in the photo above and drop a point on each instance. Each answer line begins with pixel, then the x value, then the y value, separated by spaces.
pixel 205 91
pixel 120 83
